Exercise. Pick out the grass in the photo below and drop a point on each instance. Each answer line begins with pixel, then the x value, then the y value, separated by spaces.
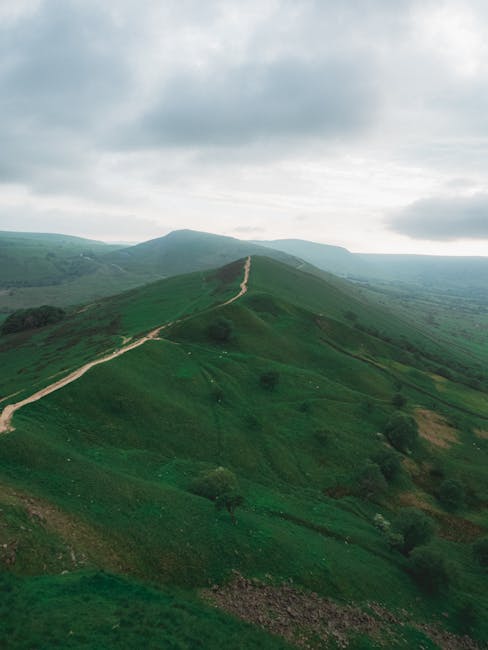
pixel 98 610
pixel 117 451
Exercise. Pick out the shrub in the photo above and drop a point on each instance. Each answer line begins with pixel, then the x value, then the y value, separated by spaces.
pixel 415 527
pixel 214 483
pixel 480 551
pixel 429 569
pixel 389 463
pixel 451 494
pixel 401 431
pixel 398 400
pixel 371 482
pixel 221 330
pixel 229 501
pixel 26 319
pixel 269 379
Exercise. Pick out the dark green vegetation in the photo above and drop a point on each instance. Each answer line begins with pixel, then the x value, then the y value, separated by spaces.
pixel 97 610
pixel 102 474
pixel 28 319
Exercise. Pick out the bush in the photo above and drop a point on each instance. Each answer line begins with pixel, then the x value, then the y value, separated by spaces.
pixel 229 501
pixel 214 483
pixel 221 330
pixel 480 551
pixel 26 319
pixel 269 379
pixel 429 570
pixel 401 431
pixel 398 400
pixel 451 494
pixel 389 463
pixel 415 527
pixel 371 482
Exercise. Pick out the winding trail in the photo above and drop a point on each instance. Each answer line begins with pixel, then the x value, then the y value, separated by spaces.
pixel 8 412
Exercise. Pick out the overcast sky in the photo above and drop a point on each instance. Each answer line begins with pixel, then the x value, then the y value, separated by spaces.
pixel 362 123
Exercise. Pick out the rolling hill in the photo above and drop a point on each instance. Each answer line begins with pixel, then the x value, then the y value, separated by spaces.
pixel 289 387
pixel 65 271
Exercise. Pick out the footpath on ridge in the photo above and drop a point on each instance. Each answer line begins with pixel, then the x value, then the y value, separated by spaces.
pixel 8 412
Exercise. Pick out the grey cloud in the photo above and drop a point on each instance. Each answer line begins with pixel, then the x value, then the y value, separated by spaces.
pixel 282 99
pixel 444 218
pixel 60 79
pixel 60 67
pixel 98 224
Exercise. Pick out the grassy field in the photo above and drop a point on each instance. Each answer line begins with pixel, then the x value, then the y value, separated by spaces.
pixel 98 475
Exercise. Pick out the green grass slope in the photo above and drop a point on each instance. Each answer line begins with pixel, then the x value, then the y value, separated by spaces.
pixel 98 475
pixel 32 359
pixel 37 259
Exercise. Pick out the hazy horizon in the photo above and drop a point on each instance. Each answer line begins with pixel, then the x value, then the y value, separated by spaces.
pixel 244 239
pixel 358 124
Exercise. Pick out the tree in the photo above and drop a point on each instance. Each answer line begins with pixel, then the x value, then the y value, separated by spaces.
pixel 451 494
pixel 429 569
pixel 415 527
pixel 269 379
pixel 214 483
pixel 26 319
pixel 398 400
pixel 371 481
pixel 221 330
pixel 389 463
pixel 401 431
pixel 230 502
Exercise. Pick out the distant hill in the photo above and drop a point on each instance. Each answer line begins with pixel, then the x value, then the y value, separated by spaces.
pixel 184 251
pixel 430 271
pixel 59 270
pixel 334 259
pixel 37 269
pixel 40 259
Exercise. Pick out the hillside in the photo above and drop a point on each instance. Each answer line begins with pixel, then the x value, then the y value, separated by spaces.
pixel 334 259
pixel 65 271
pixel 429 271
pixel 37 259
pixel 183 251
pixel 291 398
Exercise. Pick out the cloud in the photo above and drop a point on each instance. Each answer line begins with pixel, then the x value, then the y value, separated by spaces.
pixel 74 221
pixel 444 218
pixel 60 79
pixel 283 99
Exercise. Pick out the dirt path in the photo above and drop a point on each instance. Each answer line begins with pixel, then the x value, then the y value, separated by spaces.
pixel 7 414
pixel 243 285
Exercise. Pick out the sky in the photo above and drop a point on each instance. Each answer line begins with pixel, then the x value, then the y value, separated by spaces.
pixel 360 123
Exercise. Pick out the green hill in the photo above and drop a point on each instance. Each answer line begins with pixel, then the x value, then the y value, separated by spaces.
pixel 334 259
pixel 39 269
pixel 37 259
pixel 183 251
pixel 101 474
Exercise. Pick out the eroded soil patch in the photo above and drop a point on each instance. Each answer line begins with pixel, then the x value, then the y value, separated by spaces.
pixel 434 428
